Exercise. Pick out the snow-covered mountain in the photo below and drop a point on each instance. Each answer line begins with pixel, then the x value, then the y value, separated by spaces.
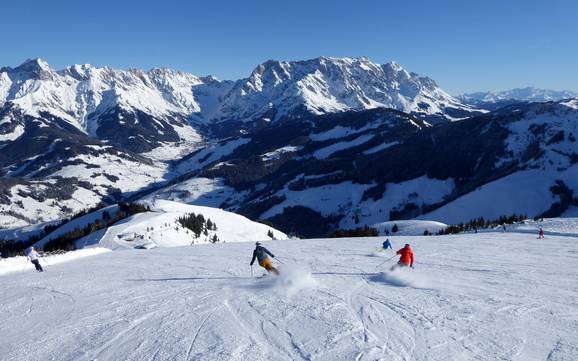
pixel 540 154
pixel 163 114
pixel 492 100
pixel 136 110
pixel 55 170
pixel 277 89
pixel 308 145
pixel 317 173
pixel 143 110
pixel 72 138
pixel 346 170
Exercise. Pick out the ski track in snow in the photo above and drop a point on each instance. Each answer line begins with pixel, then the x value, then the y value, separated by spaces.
pixel 487 296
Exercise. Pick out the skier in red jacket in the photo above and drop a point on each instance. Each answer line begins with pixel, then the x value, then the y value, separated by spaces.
pixel 406 259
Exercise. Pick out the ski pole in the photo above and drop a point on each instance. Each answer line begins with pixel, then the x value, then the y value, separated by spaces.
pixel 387 260
pixel 45 263
pixel 251 271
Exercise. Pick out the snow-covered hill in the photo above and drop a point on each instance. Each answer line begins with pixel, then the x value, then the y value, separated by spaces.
pixel 487 296
pixel 551 226
pixel 160 228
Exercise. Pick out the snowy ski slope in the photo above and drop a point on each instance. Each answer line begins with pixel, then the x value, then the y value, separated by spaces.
pixel 488 296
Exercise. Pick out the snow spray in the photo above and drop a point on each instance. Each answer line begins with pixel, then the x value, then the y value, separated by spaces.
pixel 293 279
pixel 404 277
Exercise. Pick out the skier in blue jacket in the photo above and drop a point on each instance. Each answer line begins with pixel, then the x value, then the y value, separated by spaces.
pixel 387 244
pixel 260 254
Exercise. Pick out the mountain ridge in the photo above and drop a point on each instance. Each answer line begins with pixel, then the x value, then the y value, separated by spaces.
pixel 266 145
pixel 491 100
pixel 319 85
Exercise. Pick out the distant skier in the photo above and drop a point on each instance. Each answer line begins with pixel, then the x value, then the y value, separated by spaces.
pixel 541 233
pixel 260 253
pixel 33 256
pixel 406 259
pixel 387 244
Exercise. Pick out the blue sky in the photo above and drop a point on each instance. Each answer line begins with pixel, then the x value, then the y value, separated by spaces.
pixel 463 45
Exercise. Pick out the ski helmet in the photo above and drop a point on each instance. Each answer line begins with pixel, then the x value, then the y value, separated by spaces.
pixel 257 243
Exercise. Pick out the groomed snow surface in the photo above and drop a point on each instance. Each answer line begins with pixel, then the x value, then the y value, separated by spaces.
pixel 486 296
pixel 21 263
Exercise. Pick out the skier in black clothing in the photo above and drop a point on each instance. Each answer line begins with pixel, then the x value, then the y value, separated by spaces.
pixel 260 253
